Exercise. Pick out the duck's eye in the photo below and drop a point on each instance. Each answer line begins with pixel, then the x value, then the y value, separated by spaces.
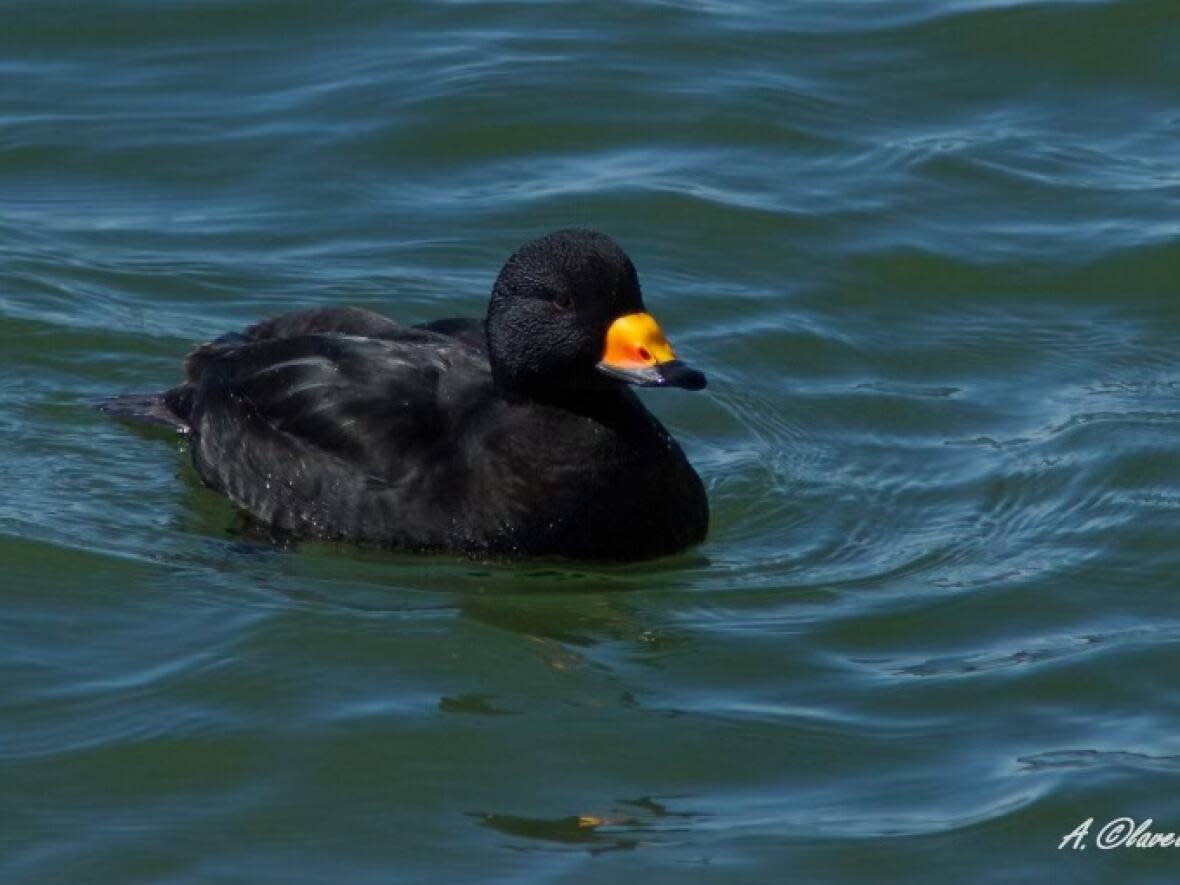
pixel 563 300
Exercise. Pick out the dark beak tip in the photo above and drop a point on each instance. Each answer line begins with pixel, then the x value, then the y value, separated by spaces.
pixel 669 374
pixel 677 374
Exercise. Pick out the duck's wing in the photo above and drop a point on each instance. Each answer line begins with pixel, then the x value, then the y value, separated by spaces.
pixel 170 408
pixel 338 436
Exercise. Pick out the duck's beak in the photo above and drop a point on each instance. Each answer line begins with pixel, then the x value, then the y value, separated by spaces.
pixel 637 352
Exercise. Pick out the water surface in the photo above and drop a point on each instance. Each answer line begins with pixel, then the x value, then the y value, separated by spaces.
pixel 929 255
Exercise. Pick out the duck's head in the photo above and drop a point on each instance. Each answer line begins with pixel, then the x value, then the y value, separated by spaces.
pixel 567 314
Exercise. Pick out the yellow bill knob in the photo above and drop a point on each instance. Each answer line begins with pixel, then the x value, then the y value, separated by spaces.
pixel 634 340
pixel 637 352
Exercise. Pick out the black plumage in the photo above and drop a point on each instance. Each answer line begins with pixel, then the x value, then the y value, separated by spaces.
pixel 500 437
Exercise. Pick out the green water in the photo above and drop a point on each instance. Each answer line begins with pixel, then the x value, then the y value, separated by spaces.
pixel 928 253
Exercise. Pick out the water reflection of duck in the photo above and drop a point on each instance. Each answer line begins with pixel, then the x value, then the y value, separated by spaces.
pixel 518 435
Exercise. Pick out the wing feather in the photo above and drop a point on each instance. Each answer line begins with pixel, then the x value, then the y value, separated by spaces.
pixel 331 434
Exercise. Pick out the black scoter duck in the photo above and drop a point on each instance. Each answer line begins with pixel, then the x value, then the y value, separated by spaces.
pixel 518 435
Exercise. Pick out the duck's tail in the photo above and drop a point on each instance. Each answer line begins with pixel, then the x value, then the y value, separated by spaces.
pixel 157 409
pixel 172 408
